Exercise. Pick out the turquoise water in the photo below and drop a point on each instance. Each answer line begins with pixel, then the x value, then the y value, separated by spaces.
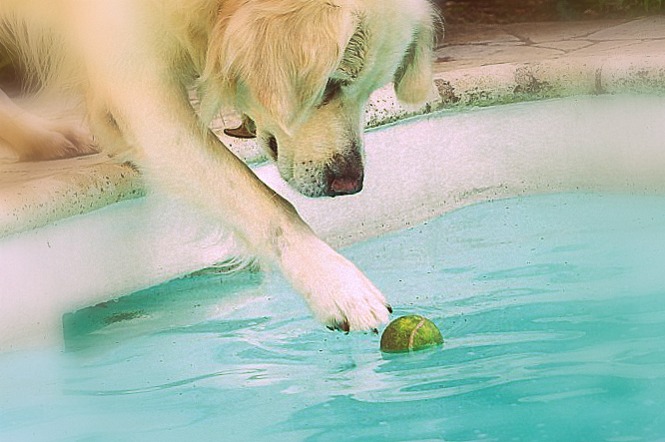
pixel 552 307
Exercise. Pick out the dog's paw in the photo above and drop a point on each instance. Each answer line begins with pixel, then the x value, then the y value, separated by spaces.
pixel 339 295
pixel 57 142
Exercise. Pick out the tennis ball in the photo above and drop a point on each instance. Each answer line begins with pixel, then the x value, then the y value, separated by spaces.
pixel 410 333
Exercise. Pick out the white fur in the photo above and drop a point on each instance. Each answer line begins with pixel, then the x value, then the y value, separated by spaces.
pixel 271 60
pixel 34 138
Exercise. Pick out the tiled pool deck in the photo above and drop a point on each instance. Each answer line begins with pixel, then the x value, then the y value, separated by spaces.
pixel 475 66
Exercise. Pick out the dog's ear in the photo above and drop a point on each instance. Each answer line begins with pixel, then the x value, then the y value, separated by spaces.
pixel 413 78
pixel 278 55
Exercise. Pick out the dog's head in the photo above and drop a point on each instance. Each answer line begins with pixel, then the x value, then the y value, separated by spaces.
pixel 304 69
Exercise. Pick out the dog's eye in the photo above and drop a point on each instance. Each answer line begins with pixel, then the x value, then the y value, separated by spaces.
pixel 333 89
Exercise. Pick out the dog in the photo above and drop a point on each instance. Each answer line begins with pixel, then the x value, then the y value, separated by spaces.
pixel 301 70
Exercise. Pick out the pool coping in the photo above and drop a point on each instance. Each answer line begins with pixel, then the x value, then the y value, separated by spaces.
pixel 75 187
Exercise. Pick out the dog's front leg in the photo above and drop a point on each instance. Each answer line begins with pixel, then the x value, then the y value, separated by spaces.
pixel 178 154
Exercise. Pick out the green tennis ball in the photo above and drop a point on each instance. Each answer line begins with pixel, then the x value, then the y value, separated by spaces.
pixel 410 333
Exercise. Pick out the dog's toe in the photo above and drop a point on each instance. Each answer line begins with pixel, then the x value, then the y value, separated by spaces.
pixel 58 143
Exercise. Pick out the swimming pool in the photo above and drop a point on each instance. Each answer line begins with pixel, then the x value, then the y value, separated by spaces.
pixel 551 307
pixel 416 170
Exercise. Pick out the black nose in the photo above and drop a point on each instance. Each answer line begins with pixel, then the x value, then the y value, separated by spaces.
pixel 344 175
pixel 345 186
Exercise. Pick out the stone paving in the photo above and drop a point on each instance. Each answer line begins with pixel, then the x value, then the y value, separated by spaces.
pixel 469 46
pixel 476 65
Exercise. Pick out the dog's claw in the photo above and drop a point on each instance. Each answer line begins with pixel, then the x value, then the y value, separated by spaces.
pixel 375 331
pixel 340 326
pixel 389 307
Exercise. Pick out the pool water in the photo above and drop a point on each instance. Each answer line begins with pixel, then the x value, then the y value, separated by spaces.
pixel 552 307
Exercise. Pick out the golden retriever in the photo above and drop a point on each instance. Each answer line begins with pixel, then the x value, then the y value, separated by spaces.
pixel 302 70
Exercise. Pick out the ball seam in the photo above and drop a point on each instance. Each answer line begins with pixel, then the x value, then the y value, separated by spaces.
pixel 412 337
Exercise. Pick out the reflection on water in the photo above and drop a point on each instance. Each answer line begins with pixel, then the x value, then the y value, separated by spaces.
pixel 551 307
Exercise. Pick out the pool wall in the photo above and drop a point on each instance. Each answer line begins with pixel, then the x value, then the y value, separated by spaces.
pixel 416 170
pixel 87 235
pixel 89 184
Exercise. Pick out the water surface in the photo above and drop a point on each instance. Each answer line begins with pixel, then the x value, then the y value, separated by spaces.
pixel 552 307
